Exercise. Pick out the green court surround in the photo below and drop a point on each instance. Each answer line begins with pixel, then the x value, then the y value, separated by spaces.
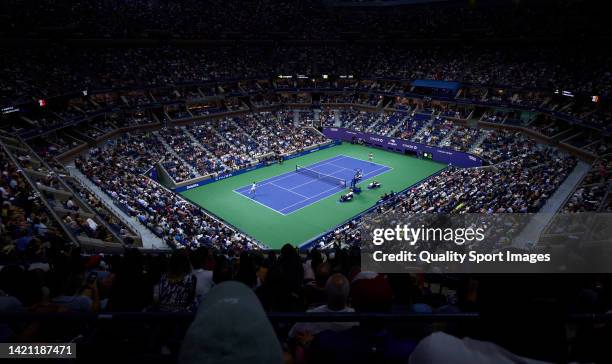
pixel 273 229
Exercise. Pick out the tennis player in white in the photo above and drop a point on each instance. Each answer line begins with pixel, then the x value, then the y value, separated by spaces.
pixel 253 189
pixel 370 157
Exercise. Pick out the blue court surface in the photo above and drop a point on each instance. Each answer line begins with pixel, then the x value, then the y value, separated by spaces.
pixel 289 192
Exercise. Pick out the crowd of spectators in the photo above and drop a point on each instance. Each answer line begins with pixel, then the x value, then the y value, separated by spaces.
pixel 177 112
pixel 40 272
pixel 241 142
pixel 519 185
pixel 95 203
pixel 141 68
pixel 343 98
pixel 27 230
pixel 499 146
pixel 410 127
pixel 96 128
pixel 389 122
pixel 342 117
pixel 364 120
pixel 227 143
pixel 265 100
pixel 190 281
pixel 463 138
pixel 550 128
pixel 435 132
pixel 593 192
pixel 188 152
pixel 307 19
pixel 48 74
pixel 54 144
pixel 278 132
pixel 135 118
pixel 538 171
pixel 118 170
pixel 76 214
pixel 214 147
pixel 328 117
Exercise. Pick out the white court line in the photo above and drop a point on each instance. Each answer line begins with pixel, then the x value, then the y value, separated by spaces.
pixel 296 210
pixel 363 160
pixel 312 180
pixel 290 173
pixel 271 208
pixel 309 198
pixel 306 198
pixel 349 169
pixel 341 168
pixel 254 200
pixel 376 170
pixel 283 188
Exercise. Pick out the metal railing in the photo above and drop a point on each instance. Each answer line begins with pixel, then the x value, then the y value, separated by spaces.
pixel 149 317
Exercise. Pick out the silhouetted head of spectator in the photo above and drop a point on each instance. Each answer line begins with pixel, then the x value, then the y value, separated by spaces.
pixel 291 269
pixel 222 271
pixel 337 289
pixel 288 251
pixel 246 270
pixel 133 262
pixel 67 284
pixel 32 291
pixel 272 257
pixel 370 292
pixel 315 259
pixel 12 280
pixel 403 287
pixel 179 265
pixel 322 273
pixel 199 257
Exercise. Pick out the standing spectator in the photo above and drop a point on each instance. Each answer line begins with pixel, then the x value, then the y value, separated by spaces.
pixel 177 287
pixel 204 277
pixel 247 272
pixel 315 291
pixel 131 289
pixel 282 290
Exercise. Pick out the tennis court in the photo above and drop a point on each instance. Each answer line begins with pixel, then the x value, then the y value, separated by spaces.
pixel 261 218
pixel 292 191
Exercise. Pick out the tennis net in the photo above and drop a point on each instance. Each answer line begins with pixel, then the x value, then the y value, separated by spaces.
pixel 321 176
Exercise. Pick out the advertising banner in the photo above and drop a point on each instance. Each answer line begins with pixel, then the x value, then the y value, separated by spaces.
pixel 442 155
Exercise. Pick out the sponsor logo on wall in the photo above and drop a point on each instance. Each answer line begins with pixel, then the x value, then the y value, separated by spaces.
pixel 218 178
pixel 441 155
